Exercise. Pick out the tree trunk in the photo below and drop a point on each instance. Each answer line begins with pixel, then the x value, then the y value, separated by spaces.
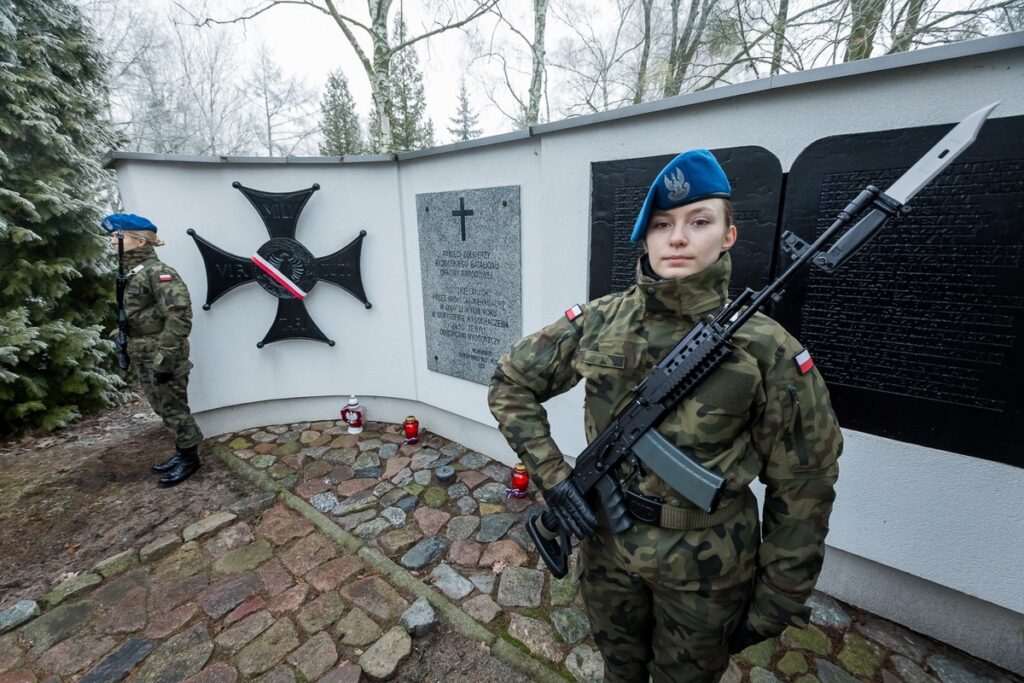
pixel 380 76
pixel 780 36
pixel 673 53
pixel 684 49
pixel 865 16
pixel 540 11
pixel 906 35
pixel 645 53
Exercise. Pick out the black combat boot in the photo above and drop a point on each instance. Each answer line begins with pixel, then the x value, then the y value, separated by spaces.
pixel 167 465
pixel 186 467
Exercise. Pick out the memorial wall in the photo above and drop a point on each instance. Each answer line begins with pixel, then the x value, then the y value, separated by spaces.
pixel 468 247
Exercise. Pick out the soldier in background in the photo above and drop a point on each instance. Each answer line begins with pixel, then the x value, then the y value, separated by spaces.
pixel 159 317
pixel 672 599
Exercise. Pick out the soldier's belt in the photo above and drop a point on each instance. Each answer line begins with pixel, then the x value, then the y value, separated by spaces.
pixel 654 511
pixel 148 328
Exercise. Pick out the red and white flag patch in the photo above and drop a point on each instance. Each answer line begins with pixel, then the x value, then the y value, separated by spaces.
pixel 574 312
pixel 166 277
pixel 803 361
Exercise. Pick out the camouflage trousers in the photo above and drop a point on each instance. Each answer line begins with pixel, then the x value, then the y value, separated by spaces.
pixel 662 602
pixel 169 400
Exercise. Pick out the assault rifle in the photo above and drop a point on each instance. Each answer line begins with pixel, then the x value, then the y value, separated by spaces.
pixel 632 434
pixel 121 338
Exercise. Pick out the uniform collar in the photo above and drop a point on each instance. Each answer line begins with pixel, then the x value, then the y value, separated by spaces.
pixel 690 296
pixel 136 256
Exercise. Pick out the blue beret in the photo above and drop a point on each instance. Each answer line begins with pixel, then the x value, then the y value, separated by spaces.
pixel 688 178
pixel 117 222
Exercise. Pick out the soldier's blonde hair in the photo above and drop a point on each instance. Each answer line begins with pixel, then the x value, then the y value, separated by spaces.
pixel 148 235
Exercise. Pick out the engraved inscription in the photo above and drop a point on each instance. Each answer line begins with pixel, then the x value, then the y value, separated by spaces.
pixel 277 210
pixel 232 271
pixel 628 201
pixel 924 310
pixel 471 288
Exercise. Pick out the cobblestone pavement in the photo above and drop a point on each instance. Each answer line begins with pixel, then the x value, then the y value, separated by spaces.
pixel 354 551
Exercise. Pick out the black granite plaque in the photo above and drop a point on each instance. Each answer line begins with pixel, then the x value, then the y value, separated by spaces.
pixel 919 335
pixel 619 188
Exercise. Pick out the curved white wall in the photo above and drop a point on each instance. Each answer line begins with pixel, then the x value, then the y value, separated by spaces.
pixel 954 522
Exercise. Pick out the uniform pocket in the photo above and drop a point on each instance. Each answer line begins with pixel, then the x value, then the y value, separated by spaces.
pixel 611 370
pixel 713 421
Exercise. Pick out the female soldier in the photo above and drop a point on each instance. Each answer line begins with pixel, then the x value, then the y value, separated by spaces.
pixel 159 314
pixel 671 599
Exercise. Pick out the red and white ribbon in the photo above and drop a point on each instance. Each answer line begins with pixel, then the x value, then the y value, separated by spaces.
pixel 278 276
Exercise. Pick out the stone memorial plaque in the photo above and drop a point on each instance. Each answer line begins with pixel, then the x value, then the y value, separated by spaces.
pixel 619 188
pixel 920 336
pixel 471 264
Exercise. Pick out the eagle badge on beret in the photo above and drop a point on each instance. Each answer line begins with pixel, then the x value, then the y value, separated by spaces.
pixel 677 186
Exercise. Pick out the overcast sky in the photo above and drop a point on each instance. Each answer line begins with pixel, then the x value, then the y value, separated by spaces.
pixel 309 44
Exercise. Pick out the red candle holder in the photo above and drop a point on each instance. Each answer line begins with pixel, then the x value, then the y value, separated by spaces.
pixel 520 482
pixel 411 427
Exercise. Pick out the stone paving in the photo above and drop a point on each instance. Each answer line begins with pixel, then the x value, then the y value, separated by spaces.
pixel 354 550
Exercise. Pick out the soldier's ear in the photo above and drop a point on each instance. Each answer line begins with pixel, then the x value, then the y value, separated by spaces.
pixel 730 237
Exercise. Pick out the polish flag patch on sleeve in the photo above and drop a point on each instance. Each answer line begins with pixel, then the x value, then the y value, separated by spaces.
pixel 803 361
pixel 166 277
pixel 574 312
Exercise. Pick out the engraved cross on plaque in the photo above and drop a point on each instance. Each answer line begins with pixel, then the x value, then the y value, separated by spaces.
pixel 461 214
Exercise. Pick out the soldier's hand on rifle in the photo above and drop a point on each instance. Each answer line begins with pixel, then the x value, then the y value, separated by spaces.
pixel 574 515
pixel 162 377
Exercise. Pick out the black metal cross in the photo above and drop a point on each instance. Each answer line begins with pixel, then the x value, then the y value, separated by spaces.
pixel 282 266
pixel 461 214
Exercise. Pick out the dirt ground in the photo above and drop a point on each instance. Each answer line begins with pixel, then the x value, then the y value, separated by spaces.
pixel 444 656
pixel 70 498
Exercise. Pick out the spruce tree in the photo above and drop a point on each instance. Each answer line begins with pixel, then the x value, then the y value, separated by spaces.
pixel 410 128
pixel 56 275
pixel 464 121
pixel 339 120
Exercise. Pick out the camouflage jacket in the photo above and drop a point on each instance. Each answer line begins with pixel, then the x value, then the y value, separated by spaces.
pixel 159 312
pixel 757 415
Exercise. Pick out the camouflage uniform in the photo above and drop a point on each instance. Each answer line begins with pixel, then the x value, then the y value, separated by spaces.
pixel 159 316
pixel 662 600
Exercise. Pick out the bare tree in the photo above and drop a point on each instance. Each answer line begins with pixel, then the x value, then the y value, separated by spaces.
pixel 286 108
pixel 371 26
pixel 645 53
pixel 779 31
pixel 768 37
pixel 914 23
pixel 518 55
pixel 173 88
pixel 597 60
pixel 685 41
pixel 128 35
pixel 216 101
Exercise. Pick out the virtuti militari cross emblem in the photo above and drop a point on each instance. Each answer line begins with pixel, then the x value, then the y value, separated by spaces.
pixel 282 266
